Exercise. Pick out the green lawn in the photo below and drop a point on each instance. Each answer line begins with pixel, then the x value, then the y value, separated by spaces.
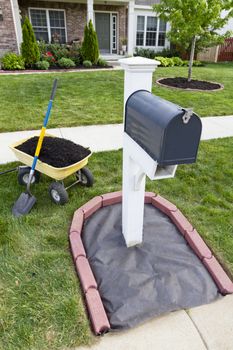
pixel 41 303
pixel 97 97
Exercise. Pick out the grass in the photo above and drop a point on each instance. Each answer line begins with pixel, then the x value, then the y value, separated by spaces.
pixel 40 296
pixel 97 97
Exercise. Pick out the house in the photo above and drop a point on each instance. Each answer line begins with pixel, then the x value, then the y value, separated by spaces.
pixel 113 20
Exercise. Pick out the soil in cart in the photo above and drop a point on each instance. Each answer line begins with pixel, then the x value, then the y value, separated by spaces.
pixel 55 151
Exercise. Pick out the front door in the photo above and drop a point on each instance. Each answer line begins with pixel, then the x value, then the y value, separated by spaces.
pixel 102 27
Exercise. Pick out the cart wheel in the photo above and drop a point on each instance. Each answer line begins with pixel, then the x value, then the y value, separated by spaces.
pixel 85 177
pixel 58 193
pixel 23 176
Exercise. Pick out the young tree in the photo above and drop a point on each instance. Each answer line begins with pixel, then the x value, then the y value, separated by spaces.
pixel 90 46
pixel 195 23
pixel 29 47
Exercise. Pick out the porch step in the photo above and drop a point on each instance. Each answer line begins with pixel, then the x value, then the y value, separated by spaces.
pixel 112 59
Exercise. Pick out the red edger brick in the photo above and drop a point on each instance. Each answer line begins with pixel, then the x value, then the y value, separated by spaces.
pixel 148 197
pixel 163 204
pixel 92 206
pixel 85 274
pixel 96 310
pixel 220 277
pixel 180 221
pixel 197 244
pixel 77 222
pixel 111 198
pixel 76 245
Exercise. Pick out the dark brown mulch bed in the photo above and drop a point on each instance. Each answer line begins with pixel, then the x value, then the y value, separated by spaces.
pixel 56 151
pixel 53 69
pixel 182 83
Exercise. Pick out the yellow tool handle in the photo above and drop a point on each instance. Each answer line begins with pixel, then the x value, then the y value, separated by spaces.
pixel 40 141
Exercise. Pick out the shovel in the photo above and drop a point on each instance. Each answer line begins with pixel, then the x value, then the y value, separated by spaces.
pixel 26 200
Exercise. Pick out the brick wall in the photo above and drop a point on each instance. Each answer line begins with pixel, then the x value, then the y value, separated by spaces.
pixel 76 15
pixel 8 40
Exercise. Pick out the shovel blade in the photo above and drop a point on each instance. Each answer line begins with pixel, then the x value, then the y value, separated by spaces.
pixel 23 205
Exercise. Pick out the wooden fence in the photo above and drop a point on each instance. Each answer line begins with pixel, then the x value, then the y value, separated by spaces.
pixel 226 50
pixel 209 55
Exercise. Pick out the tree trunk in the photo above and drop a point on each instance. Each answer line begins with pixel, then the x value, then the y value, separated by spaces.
pixel 191 58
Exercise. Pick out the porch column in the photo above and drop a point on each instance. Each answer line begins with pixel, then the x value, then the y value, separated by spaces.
pixel 17 22
pixel 131 33
pixel 90 11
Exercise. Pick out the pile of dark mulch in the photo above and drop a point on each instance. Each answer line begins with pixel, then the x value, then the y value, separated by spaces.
pixel 183 83
pixel 55 151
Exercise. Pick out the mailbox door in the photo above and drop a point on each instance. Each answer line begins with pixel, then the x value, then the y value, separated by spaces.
pixel 181 141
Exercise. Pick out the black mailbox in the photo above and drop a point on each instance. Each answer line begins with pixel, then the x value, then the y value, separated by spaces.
pixel 168 133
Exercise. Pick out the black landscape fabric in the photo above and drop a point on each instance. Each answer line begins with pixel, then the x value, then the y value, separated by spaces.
pixel 55 151
pixel 161 275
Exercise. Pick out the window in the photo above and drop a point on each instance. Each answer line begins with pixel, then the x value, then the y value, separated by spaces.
pixel 162 32
pixel 140 30
pixel 151 31
pixel 48 24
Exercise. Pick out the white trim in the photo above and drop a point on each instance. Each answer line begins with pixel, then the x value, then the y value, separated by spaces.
pixel 143 7
pixel 145 24
pixel 114 15
pixel 48 20
pixel 131 27
pixel 48 25
pixel 17 23
pixel 111 33
pixel 90 11
pixel 110 28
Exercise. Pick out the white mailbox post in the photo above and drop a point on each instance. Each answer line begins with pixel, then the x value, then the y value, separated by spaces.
pixel 137 163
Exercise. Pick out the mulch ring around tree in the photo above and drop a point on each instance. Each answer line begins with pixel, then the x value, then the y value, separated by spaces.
pixel 55 151
pixel 183 83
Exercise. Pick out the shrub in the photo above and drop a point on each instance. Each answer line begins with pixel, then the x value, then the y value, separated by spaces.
pixel 42 47
pixel 170 53
pixel 197 63
pixel 53 52
pixel 177 61
pixel 147 53
pixel 58 51
pixel 102 63
pixel 87 64
pixel 29 46
pixel 48 56
pixel 90 47
pixel 185 63
pixel 44 65
pixel 75 54
pixel 165 61
pixel 11 61
pixel 66 63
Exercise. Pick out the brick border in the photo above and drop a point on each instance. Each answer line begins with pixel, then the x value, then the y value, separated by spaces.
pixel 95 306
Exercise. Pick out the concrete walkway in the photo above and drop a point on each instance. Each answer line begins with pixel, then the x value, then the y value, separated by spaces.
pixel 58 71
pixel 204 327
pixel 107 137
